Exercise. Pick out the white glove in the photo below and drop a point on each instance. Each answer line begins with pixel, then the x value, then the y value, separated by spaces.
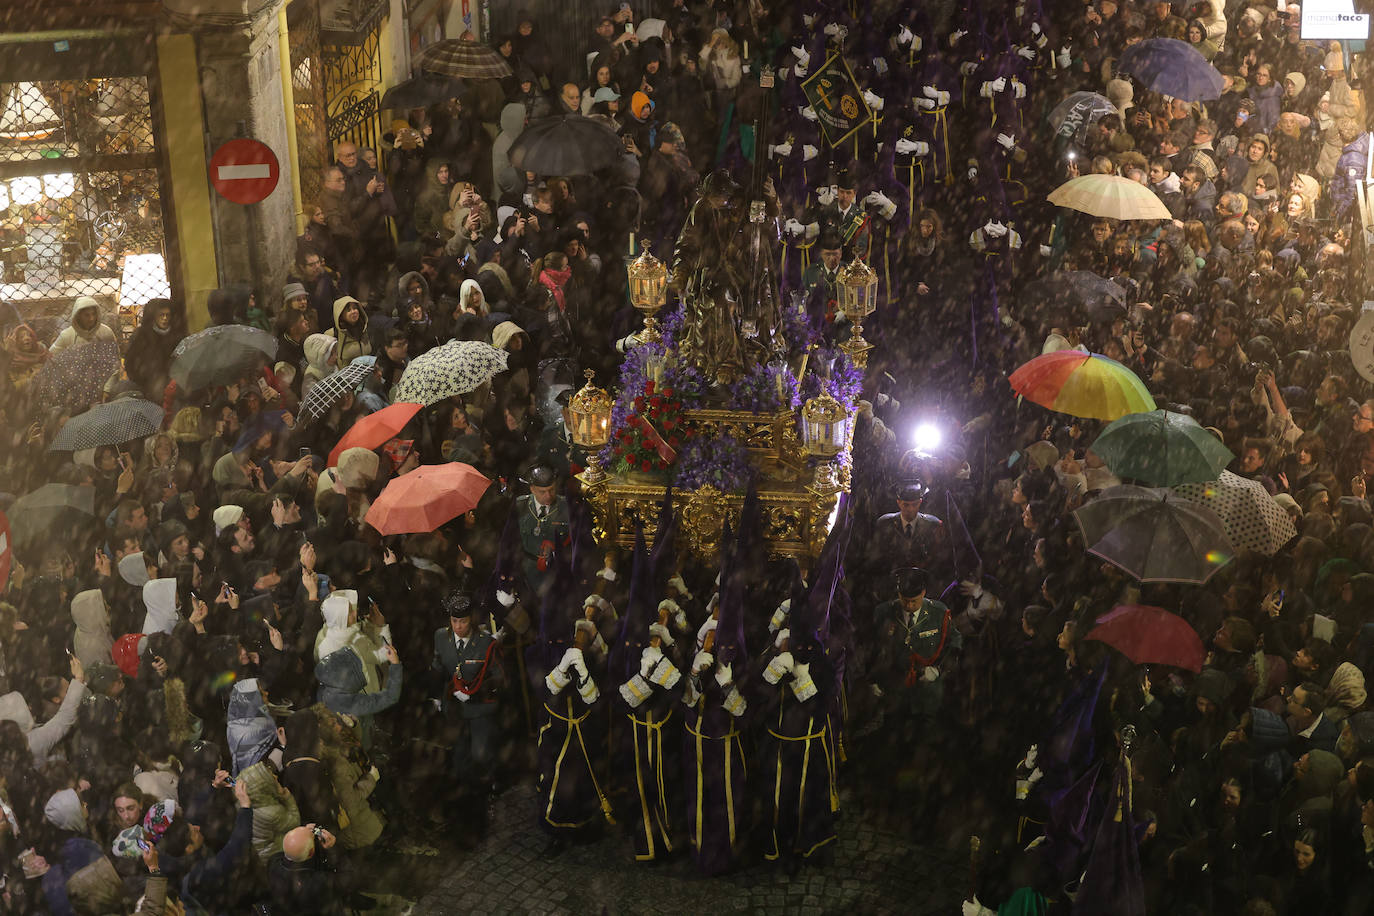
pixel 914 147
pixel 1006 141
pixel 1032 754
pixel 904 36
pixel 648 659
pixel 831 28
pixel 1027 53
pixel 939 95
pixel 782 149
pixel 930 674
pixel 724 675
pixel 956 35
pixel 801 54
pixel 676 582
pixel 928 104
pixel 879 66
pixel 794 228
pixel 702 662
pixel 999 84
pixel 1046 251
pixel 973 173
pixel 824 195
pixel 506 598
pixel 607 573
pixel 808 112
pixel 499 635
pixel 438 707
pixel 1035 28
pixel 1064 58
pixel 781 637
pixel 570 655
pixel 809 152
pixel 662 633
pixel 986 90
pixel 974 908
pixel 1018 89
pixel 461 697
pixel 781 664
pixel 876 691
pixel 874 101
pixel 881 201
pixel 801 71
pixel 972 589
pixel 967 67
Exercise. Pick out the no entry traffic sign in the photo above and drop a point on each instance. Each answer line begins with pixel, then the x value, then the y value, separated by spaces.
pixel 244 171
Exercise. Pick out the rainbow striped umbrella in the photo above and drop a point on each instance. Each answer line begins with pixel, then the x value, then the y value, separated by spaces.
pixel 1087 385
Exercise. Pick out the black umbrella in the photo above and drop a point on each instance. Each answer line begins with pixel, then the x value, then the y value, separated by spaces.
pixel 422 91
pixel 75 377
pixel 51 512
pixel 220 355
pixel 1082 290
pixel 565 145
pixel 116 422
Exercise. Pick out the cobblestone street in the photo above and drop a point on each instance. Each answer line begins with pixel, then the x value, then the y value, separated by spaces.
pixel 873 872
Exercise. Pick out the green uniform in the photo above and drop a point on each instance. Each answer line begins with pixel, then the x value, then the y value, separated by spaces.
pixel 539 536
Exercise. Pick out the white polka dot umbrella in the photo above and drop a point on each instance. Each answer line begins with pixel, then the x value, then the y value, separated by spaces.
pixel 1249 514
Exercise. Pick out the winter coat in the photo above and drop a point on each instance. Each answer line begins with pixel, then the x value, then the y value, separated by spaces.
pixel 1350 170
pixel 83 880
pixel 160 598
pixel 352 787
pixel 43 738
pixel 251 733
pixel 506 178
pixel 93 641
pixel 274 810
pixel 342 681
pixel 352 343
pixel 72 336
pixel 149 357
pixel 317 348
pixel 432 202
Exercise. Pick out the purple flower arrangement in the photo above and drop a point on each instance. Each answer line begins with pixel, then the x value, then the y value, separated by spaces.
pixel 764 389
pixel 835 374
pixel 721 462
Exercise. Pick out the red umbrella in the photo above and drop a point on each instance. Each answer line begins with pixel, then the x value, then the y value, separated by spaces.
pixel 426 498
pixel 1150 636
pixel 375 429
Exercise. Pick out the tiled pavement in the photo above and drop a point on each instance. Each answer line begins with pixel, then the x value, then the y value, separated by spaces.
pixel 873 872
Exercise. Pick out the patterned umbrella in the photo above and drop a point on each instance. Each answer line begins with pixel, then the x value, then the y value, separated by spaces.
pixel 565 145
pixel 75 378
pixel 1172 67
pixel 1155 535
pixel 1077 113
pixel 52 511
pixel 457 367
pixel 114 423
pixel 1161 448
pixel 1109 196
pixel 329 389
pixel 219 355
pixel 1252 519
pixel 469 59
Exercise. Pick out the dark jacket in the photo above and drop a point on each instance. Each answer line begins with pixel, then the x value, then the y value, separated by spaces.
pixel 341 678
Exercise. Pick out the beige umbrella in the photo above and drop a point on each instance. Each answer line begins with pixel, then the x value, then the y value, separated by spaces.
pixel 1110 196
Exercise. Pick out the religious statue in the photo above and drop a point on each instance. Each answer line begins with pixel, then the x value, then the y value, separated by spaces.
pixel 721 269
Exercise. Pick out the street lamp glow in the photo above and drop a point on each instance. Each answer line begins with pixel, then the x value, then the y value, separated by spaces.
pixel 927 438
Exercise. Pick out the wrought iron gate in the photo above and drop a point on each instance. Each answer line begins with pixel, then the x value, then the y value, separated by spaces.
pixel 81 204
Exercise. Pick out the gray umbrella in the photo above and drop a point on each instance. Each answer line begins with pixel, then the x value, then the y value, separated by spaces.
pixel 53 511
pixel 219 355
pixel 1155 534
pixel 114 423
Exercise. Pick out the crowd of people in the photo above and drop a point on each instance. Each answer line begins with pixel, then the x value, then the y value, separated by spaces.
pixel 224 688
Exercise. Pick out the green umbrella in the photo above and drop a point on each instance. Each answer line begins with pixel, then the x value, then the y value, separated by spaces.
pixel 1162 449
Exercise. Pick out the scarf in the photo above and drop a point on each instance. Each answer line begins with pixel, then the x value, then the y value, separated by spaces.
pixel 21 358
pixel 554 281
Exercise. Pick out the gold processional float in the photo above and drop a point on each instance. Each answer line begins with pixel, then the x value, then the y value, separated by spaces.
pixel 797 451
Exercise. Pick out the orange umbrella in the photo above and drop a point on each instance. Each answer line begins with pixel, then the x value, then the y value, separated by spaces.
pixel 375 429
pixel 426 498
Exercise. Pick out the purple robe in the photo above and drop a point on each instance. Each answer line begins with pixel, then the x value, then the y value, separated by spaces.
pixel 714 778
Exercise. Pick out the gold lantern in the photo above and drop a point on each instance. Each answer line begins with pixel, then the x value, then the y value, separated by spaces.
pixel 590 426
pixel 648 290
pixel 825 426
pixel 858 290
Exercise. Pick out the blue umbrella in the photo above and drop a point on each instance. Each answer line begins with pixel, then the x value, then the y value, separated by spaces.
pixel 1172 67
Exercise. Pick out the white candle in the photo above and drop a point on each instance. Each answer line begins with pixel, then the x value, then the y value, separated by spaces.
pixel 632 243
pixel 746 50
